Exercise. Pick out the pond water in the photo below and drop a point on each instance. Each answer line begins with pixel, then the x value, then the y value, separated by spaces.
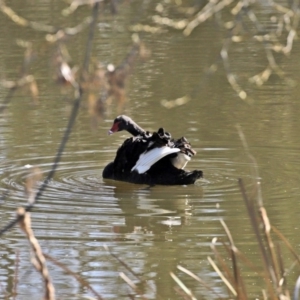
pixel 151 229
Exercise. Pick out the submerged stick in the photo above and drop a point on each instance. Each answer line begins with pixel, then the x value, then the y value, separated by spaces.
pixel 122 262
pixel 15 282
pixel 128 268
pixel 8 98
pixel 76 276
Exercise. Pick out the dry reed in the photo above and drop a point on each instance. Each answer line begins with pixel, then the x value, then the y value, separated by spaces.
pixel 38 259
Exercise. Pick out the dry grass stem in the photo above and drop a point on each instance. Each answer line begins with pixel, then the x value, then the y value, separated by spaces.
pixel 211 8
pixel 183 287
pixel 270 244
pixel 62 34
pixel 77 3
pixel 238 281
pixel 38 259
pixel 132 285
pixel 227 270
pixel 230 77
pixel 281 266
pixel 128 280
pixel 177 102
pixel 33 177
pixel 199 280
pixel 254 168
pixel 297 289
pixel 180 24
pixel 246 261
pixel 287 243
pixel 224 279
pixel 272 261
pixel 269 271
pixel 10 13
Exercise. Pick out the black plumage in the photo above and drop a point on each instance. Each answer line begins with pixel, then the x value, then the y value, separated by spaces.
pixel 168 170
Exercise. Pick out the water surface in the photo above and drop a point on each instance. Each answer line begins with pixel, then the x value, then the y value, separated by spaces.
pixel 151 229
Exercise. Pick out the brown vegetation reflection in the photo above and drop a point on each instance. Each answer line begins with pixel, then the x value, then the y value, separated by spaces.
pixel 108 83
pixel 240 21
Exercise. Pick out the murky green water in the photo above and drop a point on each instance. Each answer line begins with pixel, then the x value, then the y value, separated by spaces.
pixel 151 229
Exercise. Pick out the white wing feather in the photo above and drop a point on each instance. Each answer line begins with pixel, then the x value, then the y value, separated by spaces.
pixel 147 159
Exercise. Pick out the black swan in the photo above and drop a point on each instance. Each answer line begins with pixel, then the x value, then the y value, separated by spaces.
pixel 149 158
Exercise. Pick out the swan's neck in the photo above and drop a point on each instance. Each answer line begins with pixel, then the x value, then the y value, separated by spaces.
pixel 135 129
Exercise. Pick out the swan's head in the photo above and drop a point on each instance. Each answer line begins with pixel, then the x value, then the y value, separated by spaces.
pixel 120 123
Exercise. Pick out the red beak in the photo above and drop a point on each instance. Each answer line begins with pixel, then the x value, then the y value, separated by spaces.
pixel 114 128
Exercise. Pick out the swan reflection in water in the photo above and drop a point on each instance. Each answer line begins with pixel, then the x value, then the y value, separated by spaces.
pixel 150 235
pixel 152 212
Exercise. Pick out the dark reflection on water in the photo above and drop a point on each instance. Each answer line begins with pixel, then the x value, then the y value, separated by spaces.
pixel 152 229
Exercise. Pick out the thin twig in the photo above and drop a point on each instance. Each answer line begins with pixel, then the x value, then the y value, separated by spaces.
pixel 132 285
pixel 226 282
pixel 280 264
pixel 90 40
pixel 183 286
pixel 267 231
pixel 38 260
pixel 221 261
